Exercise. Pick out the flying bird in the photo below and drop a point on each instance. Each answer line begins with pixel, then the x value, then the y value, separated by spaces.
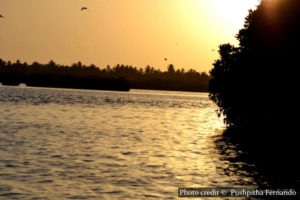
pixel 1 16
pixel 84 8
pixel 166 59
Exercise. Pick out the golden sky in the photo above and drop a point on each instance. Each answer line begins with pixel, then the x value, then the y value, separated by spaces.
pixel 133 32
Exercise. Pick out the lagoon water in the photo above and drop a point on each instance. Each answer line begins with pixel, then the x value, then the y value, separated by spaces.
pixel 83 144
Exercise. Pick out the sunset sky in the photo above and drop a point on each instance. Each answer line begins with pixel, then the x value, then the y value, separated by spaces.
pixel 133 32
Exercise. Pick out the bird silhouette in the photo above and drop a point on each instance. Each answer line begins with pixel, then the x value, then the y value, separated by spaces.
pixel 165 59
pixel 84 8
pixel 1 16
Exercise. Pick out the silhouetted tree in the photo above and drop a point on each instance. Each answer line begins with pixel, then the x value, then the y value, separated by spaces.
pixel 171 68
pixel 246 80
pixel 148 78
pixel 256 87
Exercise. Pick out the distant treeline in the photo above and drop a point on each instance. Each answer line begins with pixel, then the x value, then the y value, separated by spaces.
pixel 119 77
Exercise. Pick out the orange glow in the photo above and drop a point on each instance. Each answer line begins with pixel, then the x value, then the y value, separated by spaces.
pixel 135 32
pixel 270 7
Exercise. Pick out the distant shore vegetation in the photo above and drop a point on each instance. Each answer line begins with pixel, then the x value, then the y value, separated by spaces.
pixel 119 77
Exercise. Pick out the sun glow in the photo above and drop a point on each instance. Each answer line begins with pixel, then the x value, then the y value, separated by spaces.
pixel 135 32
pixel 232 11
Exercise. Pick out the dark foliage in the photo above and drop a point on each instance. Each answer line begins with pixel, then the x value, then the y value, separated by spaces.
pixel 256 83
pixel 255 86
pixel 120 77
pixel 52 75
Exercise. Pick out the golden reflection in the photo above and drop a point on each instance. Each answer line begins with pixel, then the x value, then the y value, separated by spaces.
pixel 104 144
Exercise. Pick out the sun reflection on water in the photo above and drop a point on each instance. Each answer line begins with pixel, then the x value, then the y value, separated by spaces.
pixel 109 145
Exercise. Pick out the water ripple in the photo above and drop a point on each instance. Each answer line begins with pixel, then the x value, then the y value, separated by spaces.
pixel 76 144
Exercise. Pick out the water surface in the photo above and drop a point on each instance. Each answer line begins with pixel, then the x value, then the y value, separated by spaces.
pixel 81 144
